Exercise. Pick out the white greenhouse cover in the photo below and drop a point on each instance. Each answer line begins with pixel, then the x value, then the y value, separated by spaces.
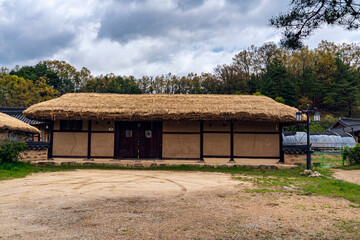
pixel 318 140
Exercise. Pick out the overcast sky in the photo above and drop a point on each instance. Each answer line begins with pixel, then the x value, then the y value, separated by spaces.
pixel 141 37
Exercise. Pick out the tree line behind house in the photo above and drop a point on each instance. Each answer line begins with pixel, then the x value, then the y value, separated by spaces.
pixel 327 77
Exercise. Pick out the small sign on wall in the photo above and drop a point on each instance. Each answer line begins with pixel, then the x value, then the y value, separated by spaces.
pixel 128 133
pixel 148 133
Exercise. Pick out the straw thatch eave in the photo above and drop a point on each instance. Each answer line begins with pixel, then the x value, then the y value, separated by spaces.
pixel 145 107
pixel 11 124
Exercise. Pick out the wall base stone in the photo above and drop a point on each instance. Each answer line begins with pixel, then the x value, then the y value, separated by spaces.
pixel 35 155
pixel 295 159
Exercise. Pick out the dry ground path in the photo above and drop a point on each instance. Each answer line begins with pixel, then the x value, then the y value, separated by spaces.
pixel 348 175
pixel 139 204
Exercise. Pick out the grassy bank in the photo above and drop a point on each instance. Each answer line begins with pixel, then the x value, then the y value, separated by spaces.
pixel 354 167
pixel 266 180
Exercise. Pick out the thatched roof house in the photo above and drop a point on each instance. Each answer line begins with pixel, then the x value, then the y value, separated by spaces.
pixel 11 124
pixel 164 126
pixel 162 107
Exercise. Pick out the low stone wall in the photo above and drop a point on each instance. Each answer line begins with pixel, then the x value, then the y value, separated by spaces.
pixel 295 159
pixel 35 155
pixel 154 163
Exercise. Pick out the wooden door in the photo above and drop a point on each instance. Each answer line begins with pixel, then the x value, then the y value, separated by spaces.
pixel 139 139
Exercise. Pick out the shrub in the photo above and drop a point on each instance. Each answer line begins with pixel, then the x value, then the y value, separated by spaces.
pixel 280 100
pixel 352 155
pixel 258 94
pixel 10 151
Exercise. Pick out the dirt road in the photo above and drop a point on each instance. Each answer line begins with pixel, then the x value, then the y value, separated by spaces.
pixel 125 204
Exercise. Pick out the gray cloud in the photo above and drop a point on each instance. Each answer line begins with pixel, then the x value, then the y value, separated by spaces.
pixel 244 6
pixel 212 26
pixel 30 31
pixel 123 23
pixel 189 4
pixel 127 24
pixel 16 46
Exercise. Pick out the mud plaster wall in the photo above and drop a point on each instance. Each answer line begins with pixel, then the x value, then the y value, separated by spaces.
pixel 70 143
pixel 217 144
pixel 102 144
pixel 181 146
pixel 256 145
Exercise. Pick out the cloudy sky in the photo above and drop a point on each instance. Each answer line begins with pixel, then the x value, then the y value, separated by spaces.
pixel 141 37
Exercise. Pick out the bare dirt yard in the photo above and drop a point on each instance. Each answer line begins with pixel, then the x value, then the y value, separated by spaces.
pixel 138 204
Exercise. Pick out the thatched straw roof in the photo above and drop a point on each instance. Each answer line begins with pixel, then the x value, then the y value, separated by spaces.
pixel 162 107
pixel 8 123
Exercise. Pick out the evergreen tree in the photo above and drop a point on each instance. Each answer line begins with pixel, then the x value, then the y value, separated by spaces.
pixel 254 84
pixel 308 15
pixel 345 92
pixel 273 79
pixel 287 91
pixel 308 86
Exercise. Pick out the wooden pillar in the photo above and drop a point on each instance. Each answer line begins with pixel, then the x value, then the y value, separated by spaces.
pixel 50 148
pixel 201 141
pixel 89 139
pixel 281 143
pixel 231 141
pixel 160 130
pixel 116 139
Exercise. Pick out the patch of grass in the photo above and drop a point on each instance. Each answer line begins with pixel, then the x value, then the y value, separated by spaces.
pixel 301 207
pixel 263 190
pixel 334 188
pixel 348 226
pixel 186 229
pixel 325 185
pixel 354 206
pixel 354 167
pixel 22 169
pixel 16 170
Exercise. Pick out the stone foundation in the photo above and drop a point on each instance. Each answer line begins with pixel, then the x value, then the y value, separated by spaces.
pixel 295 159
pixel 34 155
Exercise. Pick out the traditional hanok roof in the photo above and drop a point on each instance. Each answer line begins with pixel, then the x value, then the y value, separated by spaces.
pixel 347 122
pixel 16 112
pixel 146 107
pixel 349 125
pixel 8 123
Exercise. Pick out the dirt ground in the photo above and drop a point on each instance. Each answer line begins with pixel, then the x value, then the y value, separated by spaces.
pixel 348 175
pixel 125 204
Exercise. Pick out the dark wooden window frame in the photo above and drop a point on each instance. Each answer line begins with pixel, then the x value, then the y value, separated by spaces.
pixel 71 125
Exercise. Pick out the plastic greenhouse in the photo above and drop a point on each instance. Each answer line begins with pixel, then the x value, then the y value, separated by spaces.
pixel 322 141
